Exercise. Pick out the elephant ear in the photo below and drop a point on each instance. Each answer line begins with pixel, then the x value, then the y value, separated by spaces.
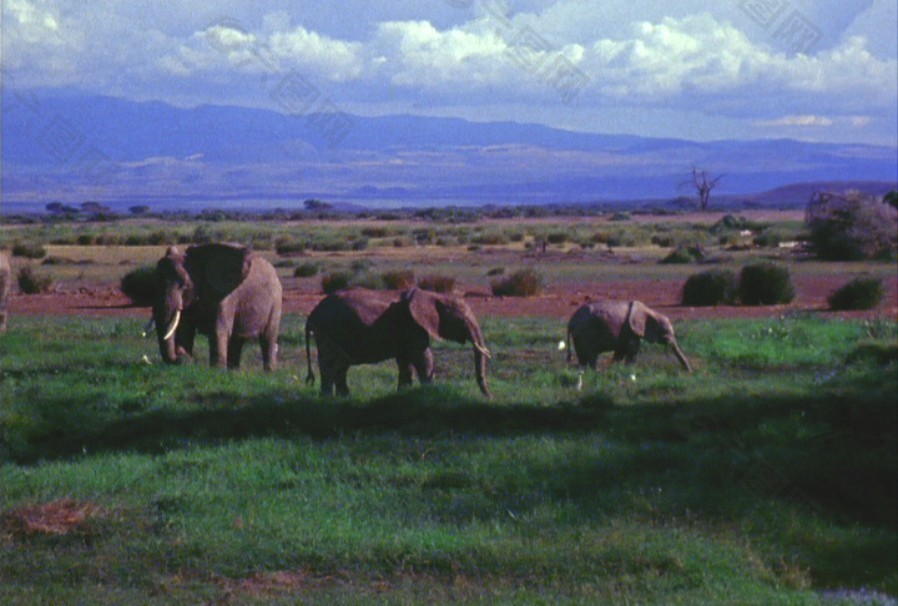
pixel 422 307
pixel 636 318
pixel 220 268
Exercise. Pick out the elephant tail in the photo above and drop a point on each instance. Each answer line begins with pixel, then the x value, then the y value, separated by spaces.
pixel 310 378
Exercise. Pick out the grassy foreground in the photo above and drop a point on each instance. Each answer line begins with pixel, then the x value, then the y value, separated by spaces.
pixel 767 476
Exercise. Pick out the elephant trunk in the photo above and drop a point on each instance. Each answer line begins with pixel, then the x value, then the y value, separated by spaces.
pixel 681 357
pixel 481 355
pixel 165 332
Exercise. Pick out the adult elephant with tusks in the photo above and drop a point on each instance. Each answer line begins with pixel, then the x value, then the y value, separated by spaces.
pixel 358 326
pixel 617 326
pixel 223 291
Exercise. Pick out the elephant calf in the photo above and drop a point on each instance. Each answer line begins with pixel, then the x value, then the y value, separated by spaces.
pixel 358 326
pixel 617 326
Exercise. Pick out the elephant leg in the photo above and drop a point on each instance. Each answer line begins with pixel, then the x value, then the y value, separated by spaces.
pixel 269 347
pixel 327 386
pixel 406 372
pixel 185 344
pixel 424 366
pixel 340 380
pixel 235 348
pixel 218 350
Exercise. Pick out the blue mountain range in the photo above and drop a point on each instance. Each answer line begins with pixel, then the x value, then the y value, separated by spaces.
pixel 72 148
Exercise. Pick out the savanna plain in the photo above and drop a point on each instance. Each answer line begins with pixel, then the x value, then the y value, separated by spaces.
pixel 765 476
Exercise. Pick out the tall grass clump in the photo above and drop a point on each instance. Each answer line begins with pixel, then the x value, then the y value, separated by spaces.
pixel 765 283
pixel 522 283
pixel 139 285
pixel 714 287
pixel 32 283
pixel 860 293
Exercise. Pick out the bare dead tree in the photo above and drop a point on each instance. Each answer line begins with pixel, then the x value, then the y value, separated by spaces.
pixel 704 185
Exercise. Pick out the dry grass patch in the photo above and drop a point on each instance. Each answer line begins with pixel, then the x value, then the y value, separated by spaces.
pixel 57 518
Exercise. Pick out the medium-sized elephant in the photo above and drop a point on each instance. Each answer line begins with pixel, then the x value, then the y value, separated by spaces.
pixel 358 326
pixel 5 286
pixel 617 326
pixel 223 291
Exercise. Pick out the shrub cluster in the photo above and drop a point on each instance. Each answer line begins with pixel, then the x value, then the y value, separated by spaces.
pixel 714 287
pixel 334 281
pixel 765 283
pixel 29 250
pixel 31 283
pixel 860 293
pixel 139 285
pixel 522 283
pixel 398 279
pixel 437 283
pixel 306 270
pixel 286 247
pixel 684 255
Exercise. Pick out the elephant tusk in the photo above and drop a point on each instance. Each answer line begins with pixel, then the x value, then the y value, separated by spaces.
pixel 173 327
pixel 483 350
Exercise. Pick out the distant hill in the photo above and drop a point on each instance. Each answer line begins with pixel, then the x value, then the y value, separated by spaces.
pixel 72 148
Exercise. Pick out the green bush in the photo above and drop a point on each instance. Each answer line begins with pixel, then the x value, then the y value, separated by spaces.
pixel 31 283
pixel 765 283
pixel 522 283
pixel 403 242
pixel 334 281
pixel 374 232
pixel 490 238
pixel 684 255
pixel 437 283
pixel 715 287
pixel 360 265
pixel 139 285
pixel 398 279
pixel 286 247
pixel 306 270
pixel 29 250
pixel 860 293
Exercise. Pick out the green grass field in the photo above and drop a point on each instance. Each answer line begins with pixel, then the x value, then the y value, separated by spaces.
pixel 765 477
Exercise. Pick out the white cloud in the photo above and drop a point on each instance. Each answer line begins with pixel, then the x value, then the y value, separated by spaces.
pixel 333 59
pixel 804 120
pixel 415 53
pixel 698 58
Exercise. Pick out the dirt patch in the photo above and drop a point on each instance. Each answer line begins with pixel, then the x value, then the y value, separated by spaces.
pixel 559 301
pixel 57 518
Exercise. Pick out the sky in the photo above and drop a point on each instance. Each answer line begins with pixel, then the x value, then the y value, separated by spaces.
pixel 816 70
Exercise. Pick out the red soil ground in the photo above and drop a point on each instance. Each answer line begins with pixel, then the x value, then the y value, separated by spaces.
pixel 559 301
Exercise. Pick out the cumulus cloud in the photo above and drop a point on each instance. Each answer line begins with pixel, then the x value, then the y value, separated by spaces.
pixel 696 59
